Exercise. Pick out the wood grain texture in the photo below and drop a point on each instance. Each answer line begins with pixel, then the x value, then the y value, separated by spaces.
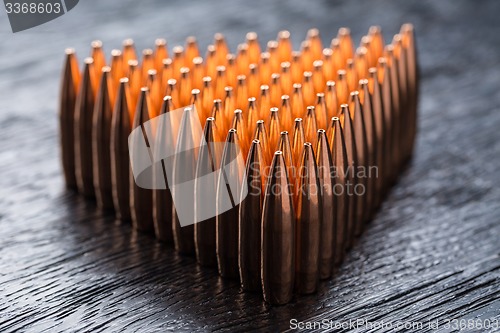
pixel 432 252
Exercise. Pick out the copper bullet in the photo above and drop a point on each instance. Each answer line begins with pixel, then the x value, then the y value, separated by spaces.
pixel 286 113
pixel 298 108
pixel 278 236
pixel 220 82
pixel 101 136
pixel 135 81
pixel 178 61
pixel 332 105
pixel 275 89
pixel 346 44
pixel 318 79
pixel 117 71
pixel 184 171
pixel 378 112
pixel 341 199
pixel 148 62
pixel 241 93
pixel 232 170
pixel 371 139
pixel 162 198
pixel 362 161
pixel 221 48
pixel 308 89
pixel 328 231
pixel 192 50
pixel 211 61
pixel 231 70
pixel 253 81
pixel 274 57
pixel 243 60
pixel 328 65
pixel 265 67
pixel 298 141
pixel 97 53
pixel 306 56
pixel 308 223
pixel 310 126
pixel 321 111
pixel 240 125
pixel 286 148
pixel 197 73
pixel 253 47
pixel 286 78
pixel 388 115
pixel 261 135
pixel 274 126
pixel 128 53
pixel 296 64
pixel 250 215
pixel 160 53
pixel 207 96
pixel 185 87
pixel 352 167
pixel 252 114
pixel 121 125
pixel 314 39
pixel 397 135
pixel 284 45
pixel 207 166
pixel 141 199
pixel 68 95
pixel 84 110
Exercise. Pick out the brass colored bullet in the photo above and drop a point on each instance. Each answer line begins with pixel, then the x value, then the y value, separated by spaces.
pixel 352 167
pixel 341 199
pixel 70 84
pixel 229 107
pixel 306 56
pixel 308 223
pixel 286 78
pixel 384 76
pixel 178 61
pixel 116 68
pixel 328 65
pixel 318 79
pixel 232 172
pixel 207 96
pixel 207 166
pixel 275 89
pixel 274 57
pixel 278 236
pixel 84 110
pixel 135 81
pixel 240 125
pixel 185 86
pixel 250 215
pixel 342 87
pixel 328 231
pixel 121 124
pixel 101 136
pixel 346 44
pixel 397 136
pixel 243 61
pixel 141 199
pixel 231 70
pixel 173 91
pixel 265 67
pixel 220 82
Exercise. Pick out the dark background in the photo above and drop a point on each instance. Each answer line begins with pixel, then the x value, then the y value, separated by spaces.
pixel 432 253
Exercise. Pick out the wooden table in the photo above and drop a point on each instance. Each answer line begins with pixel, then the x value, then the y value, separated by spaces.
pixel 432 253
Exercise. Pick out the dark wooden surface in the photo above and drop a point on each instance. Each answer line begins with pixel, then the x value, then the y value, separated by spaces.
pixel 432 253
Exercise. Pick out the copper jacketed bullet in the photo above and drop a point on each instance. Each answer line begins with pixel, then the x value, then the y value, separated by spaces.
pixel 352 165
pixel 69 88
pixel 308 223
pixel 205 195
pixel 141 199
pixel 121 124
pixel 250 219
pixel 278 236
pixel 362 161
pixel 84 110
pixel 341 199
pixel 229 188
pixel 184 172
pixel 101 136
pixel 162 198
pixel 324 163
